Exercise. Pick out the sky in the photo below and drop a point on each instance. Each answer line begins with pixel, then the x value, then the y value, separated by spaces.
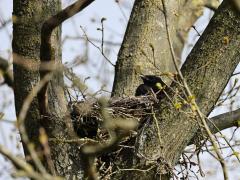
pixel 97 67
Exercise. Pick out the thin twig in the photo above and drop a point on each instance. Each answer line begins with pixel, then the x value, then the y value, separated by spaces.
pixel 158 129
pixel 102 30
pixel 20 163
pixel 199 113
pixel 100 50
pixel 27 168
pixel 46 54
pixel 110 43
pixel 21 118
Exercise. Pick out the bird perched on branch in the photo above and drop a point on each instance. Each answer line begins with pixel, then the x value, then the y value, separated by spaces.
pixel 152 85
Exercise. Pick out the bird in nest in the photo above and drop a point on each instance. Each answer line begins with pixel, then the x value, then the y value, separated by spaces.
pixel 152 85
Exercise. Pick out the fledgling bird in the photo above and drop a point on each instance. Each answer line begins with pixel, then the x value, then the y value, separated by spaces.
pixel 151 85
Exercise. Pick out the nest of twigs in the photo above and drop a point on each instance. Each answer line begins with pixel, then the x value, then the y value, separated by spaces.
pixel 88 119
pixel 92 119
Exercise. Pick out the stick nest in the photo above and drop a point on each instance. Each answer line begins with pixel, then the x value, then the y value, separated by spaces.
pixel 88 119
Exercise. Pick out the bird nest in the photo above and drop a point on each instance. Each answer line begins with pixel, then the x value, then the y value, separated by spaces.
pixel 88 118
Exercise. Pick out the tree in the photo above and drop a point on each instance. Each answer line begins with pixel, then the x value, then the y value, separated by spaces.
pixel 151 45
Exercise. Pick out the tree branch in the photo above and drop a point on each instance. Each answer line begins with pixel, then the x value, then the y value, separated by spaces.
pixel 20 164
pixel 219 123
pixel 206 74
pixel 224 121
pixel 55 116
pixel 46 51
pixel 4 66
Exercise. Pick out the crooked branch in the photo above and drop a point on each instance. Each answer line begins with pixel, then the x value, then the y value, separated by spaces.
pixel 46 51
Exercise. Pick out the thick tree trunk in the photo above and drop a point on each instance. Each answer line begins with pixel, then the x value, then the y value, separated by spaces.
pixel 145 48
pixel 28 19
pixel 207 71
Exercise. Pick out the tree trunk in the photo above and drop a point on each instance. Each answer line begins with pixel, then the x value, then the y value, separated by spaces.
pixel 207 71
pixel 28 19
pixel 145 48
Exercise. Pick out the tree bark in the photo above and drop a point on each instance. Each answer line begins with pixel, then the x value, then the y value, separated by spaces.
pixel 207 71
pixel 28 19
pixel 145 48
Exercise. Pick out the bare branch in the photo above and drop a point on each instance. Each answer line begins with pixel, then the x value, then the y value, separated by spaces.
pixel 8 79
pixel 21 119
pixel 95 40
pixel 193 104
pixel 221 122
pixel 46 51
pixel 224 121
pixel 23 165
